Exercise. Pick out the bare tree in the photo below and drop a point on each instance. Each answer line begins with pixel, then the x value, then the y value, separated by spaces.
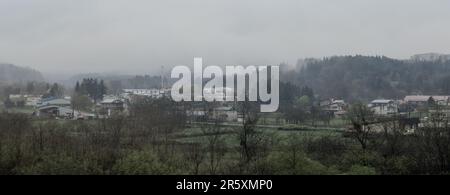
pixel 434 144
pixel 195 154
pixel 249 138
pixel 361 117
pixel 212 131
pixel 13 131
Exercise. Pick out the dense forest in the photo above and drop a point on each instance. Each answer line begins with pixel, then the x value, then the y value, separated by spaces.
pixel 365 78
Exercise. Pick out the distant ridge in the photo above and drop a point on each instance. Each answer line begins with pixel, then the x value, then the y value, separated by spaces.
pixel 431 57
pixel 10 73
pixel 364 78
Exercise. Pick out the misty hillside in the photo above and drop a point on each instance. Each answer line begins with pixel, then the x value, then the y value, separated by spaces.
pixel 14 74
pixel 366 78
pixel 115 82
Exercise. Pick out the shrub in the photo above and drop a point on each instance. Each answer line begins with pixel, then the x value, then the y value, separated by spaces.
pixel 58 164
pixel 139 163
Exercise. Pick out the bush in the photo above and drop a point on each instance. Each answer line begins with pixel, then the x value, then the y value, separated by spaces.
pixel 299 164
pixel 60 164
pixel 139 163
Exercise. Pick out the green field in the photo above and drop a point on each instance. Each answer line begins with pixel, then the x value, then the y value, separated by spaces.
pixel 23 110
pixel 194 133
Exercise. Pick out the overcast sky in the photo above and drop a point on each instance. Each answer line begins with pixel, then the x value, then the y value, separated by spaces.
pixel 139 36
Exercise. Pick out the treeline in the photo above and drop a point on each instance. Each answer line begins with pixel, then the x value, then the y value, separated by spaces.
pixel 92 88
pixel 30 88
pixel 139 82
pixel 115 83
pixel 301 104
pixel 365 78
pixel 14 74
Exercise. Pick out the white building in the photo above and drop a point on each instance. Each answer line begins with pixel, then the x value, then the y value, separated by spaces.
pixel 336 107
pixel 112 104
pixel 423 99
pixel 154 93
pixel 32 100
pixel 384 107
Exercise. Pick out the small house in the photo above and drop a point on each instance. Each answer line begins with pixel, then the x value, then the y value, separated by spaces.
pixel 110 105
pixel 384 107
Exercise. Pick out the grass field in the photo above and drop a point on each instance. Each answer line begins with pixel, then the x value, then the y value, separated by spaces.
pixel 23 110
pixel 194 133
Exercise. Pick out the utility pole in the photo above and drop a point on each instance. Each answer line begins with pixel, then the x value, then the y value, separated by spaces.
pixel 162 77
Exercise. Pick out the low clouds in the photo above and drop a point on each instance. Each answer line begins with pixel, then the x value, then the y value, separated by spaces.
pixel 136 36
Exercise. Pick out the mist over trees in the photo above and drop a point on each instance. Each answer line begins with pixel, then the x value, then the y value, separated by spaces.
pixel 55 91
pixel 115 83
pixel 91 87
pixel 364 77
pixel 14 74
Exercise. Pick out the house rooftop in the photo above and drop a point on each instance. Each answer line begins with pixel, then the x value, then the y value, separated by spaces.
pixel 111 100
pixel 382 101
pixel 55 102
pixel 224 109
pixel 424 98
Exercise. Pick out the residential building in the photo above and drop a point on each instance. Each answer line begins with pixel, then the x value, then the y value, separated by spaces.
pixel 225 114
pixel 384 107
pixel 420 100
pixel 32 100
pixel 112 104
pixel 63 112
pixel 154 93
pixel 17 100
pixel 54 102
pixel 335 107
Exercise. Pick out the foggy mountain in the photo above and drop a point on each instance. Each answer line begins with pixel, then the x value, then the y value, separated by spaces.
pixel 370 77
pixel 15 74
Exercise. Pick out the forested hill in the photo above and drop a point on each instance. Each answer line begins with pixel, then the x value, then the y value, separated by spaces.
pixel 365 78
pixel 14 74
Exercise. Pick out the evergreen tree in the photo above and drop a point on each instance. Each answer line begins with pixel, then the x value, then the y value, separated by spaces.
pixel 77 88
pixel 91 88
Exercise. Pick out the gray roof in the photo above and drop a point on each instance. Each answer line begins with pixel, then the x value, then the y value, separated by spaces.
pixel 424 98
pixel 110 101
pixel 382 101
pixel 57 102
pixel 224 109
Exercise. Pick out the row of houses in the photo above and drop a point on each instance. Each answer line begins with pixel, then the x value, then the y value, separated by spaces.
pixel 390 107
pixel 390 113
pixel 62 107
pixel 387 106
pixel 154 93
pixel 24 100
pixel 225 112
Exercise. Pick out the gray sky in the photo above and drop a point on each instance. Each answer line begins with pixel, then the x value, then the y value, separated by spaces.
pixel 139 36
